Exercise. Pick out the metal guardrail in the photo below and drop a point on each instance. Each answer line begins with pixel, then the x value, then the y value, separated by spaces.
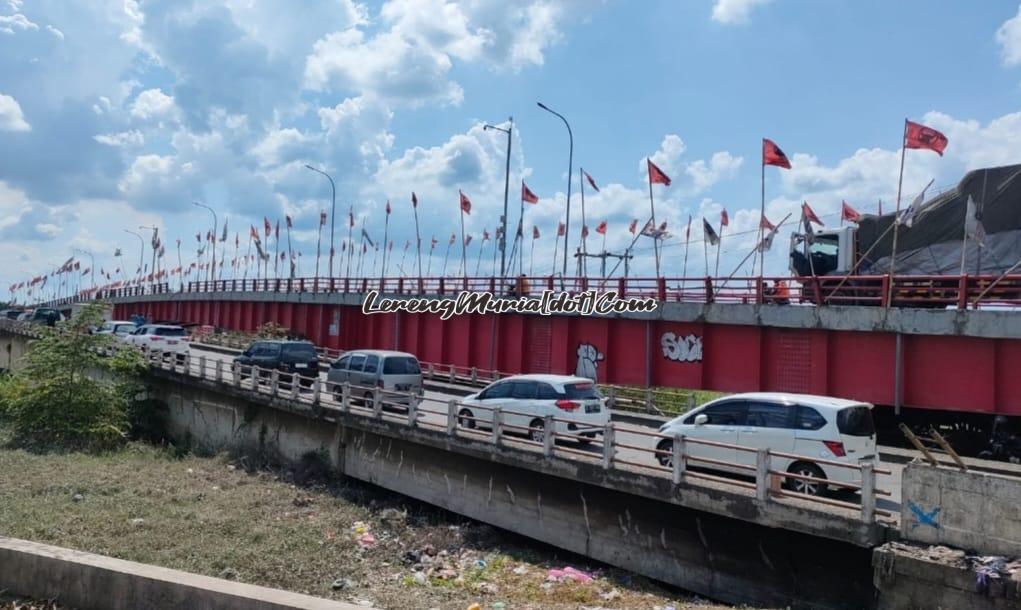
pixel 960 291
pixel 448 416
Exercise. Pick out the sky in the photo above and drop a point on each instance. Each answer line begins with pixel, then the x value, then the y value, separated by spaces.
pixel 117 114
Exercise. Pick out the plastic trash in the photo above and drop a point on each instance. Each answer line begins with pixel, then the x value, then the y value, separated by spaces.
pixel 568 573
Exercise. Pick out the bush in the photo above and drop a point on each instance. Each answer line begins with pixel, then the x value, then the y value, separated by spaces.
pixel 69 393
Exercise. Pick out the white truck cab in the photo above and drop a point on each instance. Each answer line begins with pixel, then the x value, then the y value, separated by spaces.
pixel 830 251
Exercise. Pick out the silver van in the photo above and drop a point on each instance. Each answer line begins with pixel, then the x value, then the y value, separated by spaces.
pixel 397 375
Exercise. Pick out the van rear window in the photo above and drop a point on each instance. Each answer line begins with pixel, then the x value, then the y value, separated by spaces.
pixel 170 332
pixel 582 390
pixel 401 365
pixel 304 351
pixel 856 421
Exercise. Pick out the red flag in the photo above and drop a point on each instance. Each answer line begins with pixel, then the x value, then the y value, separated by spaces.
pixel 485 235
pixel 468 240
pixel 656 175
pixel 633 227
pixel 237 240
pixel 266 226
pixel 390 246
pixel 322 217
pixel 535 232
pixel 453 238
pixel 724 218
pixel 387 207
pixel 917 135
pixel 584 230
pixel 466 204
pixel 593 182
pixel 435 241
pixel 351 218
pixel 527 195
pixel 765 224
pixel 254 233
pixel 808 213
pixel 277 234
pixel 772 155
pixel 290 225
pixel 561 229
pixel 198 237
pixel 848 213
pixel 414 200
pixel 601 229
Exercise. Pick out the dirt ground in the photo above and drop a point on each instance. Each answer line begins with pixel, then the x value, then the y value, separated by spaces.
pixel 341 540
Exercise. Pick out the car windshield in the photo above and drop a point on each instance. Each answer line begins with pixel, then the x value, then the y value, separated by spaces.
pixel 581 390
pixel 170 332
pixel 303 351
pixel 401 365
pixel 856 421
pixel 106 326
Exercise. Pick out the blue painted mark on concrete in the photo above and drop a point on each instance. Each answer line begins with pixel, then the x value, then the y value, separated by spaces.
pixel 922 517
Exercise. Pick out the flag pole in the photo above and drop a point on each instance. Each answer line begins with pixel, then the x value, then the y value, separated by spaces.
pixel 584 236
pixel 556 248
pixel 762 208
pixel 705 251
pixel 478 262
pixel 896 216
pixel 386 233
pixel 418 238
pixel 179 263
pixel 531 256
pixel 687 243
pixel 350 239
pixel 361 249
pixel 446 258
pixel 290 252
pixel 429 266
pixel 319 243
pixel 248 256
pixel 464 246
pixel 719 244
pixel 501 239
pixel 404 257
pixel 603 265
pixel 276 254
pixel 652 206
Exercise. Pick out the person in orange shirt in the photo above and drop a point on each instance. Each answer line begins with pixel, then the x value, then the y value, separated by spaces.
pixel 782 294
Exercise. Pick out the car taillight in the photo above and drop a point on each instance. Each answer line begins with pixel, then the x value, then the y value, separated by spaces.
pixel 567 405
pixel 835 447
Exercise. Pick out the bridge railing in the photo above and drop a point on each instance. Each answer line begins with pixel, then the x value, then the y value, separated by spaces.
pixel 668 456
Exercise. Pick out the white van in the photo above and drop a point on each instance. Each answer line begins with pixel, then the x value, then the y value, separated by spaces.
pixel 398 375
pixel 820 427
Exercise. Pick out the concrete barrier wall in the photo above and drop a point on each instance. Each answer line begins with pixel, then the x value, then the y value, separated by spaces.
pixel 974 511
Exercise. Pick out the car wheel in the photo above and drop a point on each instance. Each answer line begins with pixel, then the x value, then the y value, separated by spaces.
pixel 801 486
pixel 537 431
pixel 665 453
pixel 465 419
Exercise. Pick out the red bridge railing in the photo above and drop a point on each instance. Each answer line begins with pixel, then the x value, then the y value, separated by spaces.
pixel 932 291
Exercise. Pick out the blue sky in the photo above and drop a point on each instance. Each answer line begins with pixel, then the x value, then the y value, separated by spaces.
pixel 118 114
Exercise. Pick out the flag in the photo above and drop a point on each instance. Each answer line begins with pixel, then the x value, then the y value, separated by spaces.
pixel 767 241
pixel 237 240
pixel 116 251
pixel 414 200
pixel 485 236
pixel 155 238
pixel 535 232
pixel 772 155
pixel 290 224
pixel 253 234
pixel 276 235
pixel 687 231
pixel 809 214
pixel 222 237
pixel 527 195
pixel 365 236
pixel 266 225
pixel 453 238
pixel 656 175
pixel 435 241
pixel 387 207
pixel 919 136
pixel 973 223
pixel 351 218
pixel 908 216
pixel 390 246
pixel 710 235
pixel 561 229
pixel 466 204
pixel 848 213
pixel 468 239
pixel 593 182
pixel 601 229
pixel 765 224
pixel 322 217
pixel 633 226
pixel 724 218
pixel 198 238
pixel 584 230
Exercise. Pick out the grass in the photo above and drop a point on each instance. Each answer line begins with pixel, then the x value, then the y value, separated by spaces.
pixel 212 516
pixel 671 401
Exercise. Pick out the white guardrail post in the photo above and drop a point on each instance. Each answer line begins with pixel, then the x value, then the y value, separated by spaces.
pixel 413 412
pixel 345 397
pixel 611 399
pixel 549 435
pixel 296 385
pixel 255 378
pixel 762 461
pixel 451 416
pixel 497 426
pixel 274 382
pixel 377 403
pixel 868 492
pixel 679 459
pixel 219 371
pixel 202 366
pixel 475 375
pixel 235 371
pixel 608 442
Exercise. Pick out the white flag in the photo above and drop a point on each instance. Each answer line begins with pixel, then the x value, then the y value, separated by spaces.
pixel 908 218
pixel 767 241
pixel 973 224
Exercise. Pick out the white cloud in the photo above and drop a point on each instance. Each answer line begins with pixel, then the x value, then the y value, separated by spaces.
pixel 1008 36
pixel 734 11
pixel 17 21
pixel 153 103
pixel 694 177
pixel 56 32
pixel 11 117
pixel 124 138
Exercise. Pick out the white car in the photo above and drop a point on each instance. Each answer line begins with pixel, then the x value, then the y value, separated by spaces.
pixel 816 427
pixel 160 338
pixel 525 399
pixel 118 328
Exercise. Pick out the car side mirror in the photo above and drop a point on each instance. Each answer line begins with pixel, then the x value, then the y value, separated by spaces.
pixel 701 419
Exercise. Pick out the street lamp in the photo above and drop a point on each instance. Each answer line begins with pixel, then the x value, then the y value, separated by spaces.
pixel 570 170
pixel 92 269
pixel 506 194
pixel 212 266
pixel 333 209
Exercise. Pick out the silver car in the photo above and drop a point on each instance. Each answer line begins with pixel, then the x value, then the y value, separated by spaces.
pixel 398 376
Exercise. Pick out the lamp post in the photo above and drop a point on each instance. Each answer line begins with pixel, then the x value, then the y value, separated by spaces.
pixel 506 195
pixel 212 265
pixel 92 269
pixel 333 209
pixel 141 250
pixel 570 170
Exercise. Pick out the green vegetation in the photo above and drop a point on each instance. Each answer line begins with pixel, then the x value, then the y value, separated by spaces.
pixel 75 389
